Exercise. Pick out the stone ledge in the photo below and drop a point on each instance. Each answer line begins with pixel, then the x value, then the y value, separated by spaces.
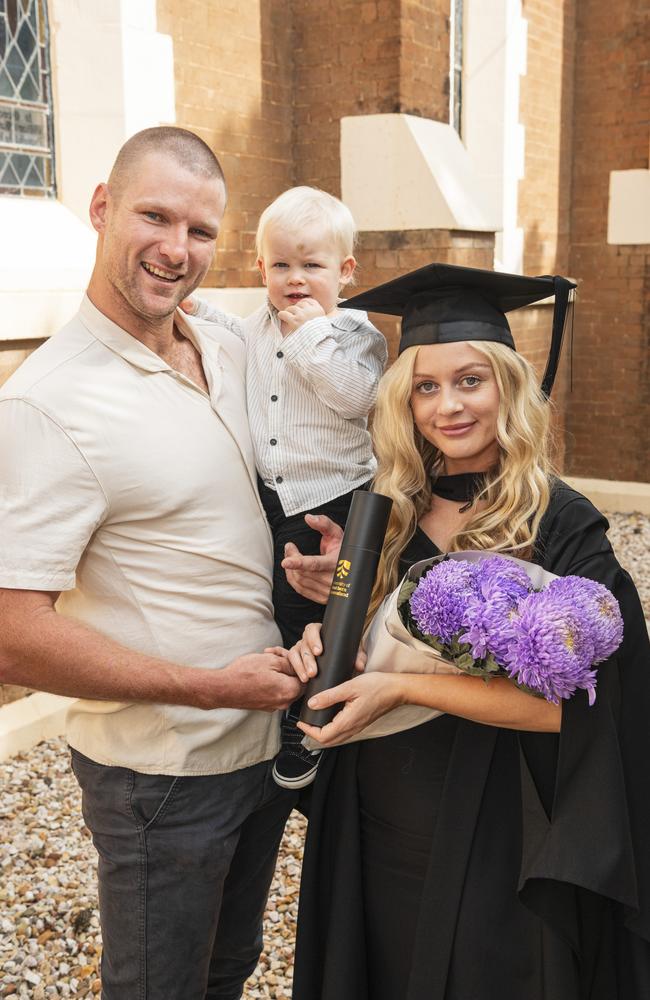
pixel 26 722
pixel 613 494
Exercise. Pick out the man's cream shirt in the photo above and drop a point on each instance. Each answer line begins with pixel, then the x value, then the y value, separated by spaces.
pixel 130 490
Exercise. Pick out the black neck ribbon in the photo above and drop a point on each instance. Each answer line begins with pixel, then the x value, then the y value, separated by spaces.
pixel 463 487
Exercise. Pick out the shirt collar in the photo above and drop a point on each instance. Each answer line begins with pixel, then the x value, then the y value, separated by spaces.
pixel 130 348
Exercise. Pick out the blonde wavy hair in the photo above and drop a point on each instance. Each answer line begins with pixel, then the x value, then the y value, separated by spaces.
pixel 517 490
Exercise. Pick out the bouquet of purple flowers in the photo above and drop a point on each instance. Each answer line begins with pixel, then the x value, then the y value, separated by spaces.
pixel 484 614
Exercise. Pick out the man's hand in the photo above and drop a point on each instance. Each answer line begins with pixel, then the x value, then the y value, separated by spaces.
pixel 260 681
pixel 311 576
pixel 301 312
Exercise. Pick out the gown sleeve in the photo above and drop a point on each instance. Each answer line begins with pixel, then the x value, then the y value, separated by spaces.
pixel 586 834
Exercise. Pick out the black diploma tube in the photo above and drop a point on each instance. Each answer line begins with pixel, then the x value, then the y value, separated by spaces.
pixel 349 597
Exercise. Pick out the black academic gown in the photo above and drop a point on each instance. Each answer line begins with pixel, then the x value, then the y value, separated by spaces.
pixel 538 881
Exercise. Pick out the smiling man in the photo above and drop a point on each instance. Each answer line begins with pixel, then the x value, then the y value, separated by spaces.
pixel 135 567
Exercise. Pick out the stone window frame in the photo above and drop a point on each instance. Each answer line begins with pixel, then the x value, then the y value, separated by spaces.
pixel 456 43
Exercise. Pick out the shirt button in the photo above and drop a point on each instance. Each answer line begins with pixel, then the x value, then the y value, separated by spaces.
pixel 274 399
pixel 280 354
pixel 273 441
pixel 279 479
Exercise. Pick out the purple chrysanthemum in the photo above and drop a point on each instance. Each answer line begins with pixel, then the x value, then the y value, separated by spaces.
pixel 503 576
pixel 439 601
pixel 491 626
pixel 552 653
pixel 490 617
pixel 598 610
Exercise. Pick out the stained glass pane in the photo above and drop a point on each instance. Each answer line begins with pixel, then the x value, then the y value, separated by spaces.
pixel 15 65
pixel 29 89
pixel 6 88
pixel 26 40
pixel 26 133
pixel 30 128
pixel 9 176
pixel 33 178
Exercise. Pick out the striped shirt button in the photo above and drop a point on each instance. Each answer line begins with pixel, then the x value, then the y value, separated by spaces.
pixel 279 479
pixel 280 354
pixel 273 441
pixel 274 399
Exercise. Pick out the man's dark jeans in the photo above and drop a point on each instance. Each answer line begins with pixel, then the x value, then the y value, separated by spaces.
pixel 185 865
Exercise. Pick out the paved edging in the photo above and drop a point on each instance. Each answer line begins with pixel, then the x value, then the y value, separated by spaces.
pixel 27 721
pixel 613 494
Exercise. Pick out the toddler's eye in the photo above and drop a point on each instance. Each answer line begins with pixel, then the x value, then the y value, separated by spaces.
pixel 280 263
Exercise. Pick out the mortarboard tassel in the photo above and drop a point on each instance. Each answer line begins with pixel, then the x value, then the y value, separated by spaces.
pixel 562 288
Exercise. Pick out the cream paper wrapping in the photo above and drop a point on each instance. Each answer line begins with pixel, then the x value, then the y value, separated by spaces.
pixel 392 649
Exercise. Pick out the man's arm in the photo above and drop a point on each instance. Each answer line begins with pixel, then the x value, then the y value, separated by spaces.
pixel 44 650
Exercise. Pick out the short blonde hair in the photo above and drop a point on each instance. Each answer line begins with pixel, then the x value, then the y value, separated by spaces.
pixel 303 206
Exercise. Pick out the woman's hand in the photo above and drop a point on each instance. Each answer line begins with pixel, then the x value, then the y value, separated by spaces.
pixel 364 698
pixel 302 656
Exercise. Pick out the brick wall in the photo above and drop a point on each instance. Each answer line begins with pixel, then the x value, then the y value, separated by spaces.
pixel 424 59
pixel 546 100
pixel 360 58
pixel 233 70
pixel 544 197
pixel 609 409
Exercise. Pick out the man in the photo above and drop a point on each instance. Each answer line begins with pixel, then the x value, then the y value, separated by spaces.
pixel 136 565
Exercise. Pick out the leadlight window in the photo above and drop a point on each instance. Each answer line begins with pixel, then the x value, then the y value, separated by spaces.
pixel 456 64
pixel 26 134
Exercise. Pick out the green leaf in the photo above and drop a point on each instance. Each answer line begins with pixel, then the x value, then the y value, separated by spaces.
pixel 406 590
pixel 491 665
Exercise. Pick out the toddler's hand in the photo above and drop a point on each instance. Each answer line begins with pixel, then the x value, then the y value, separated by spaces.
pixel 300 313
pixel 190 305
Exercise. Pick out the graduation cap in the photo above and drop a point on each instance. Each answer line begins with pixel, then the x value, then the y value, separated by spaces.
pixel 445 303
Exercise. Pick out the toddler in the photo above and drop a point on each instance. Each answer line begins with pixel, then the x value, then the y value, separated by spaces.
pixel 312 371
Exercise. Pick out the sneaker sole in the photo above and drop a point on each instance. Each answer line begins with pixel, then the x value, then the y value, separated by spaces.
pixel 301 782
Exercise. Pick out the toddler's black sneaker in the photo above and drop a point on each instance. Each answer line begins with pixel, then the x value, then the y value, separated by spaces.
pixel 294 767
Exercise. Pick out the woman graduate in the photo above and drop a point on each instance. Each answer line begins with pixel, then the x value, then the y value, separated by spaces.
pixel 502 850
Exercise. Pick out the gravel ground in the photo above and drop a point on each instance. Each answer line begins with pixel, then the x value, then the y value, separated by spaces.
pixel 630 537
pixel 50 942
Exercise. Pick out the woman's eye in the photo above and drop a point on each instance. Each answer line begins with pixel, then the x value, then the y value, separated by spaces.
pixel 471 381
pixel 425 387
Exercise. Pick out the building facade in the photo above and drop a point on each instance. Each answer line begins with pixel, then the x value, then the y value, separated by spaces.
pixel 511 134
